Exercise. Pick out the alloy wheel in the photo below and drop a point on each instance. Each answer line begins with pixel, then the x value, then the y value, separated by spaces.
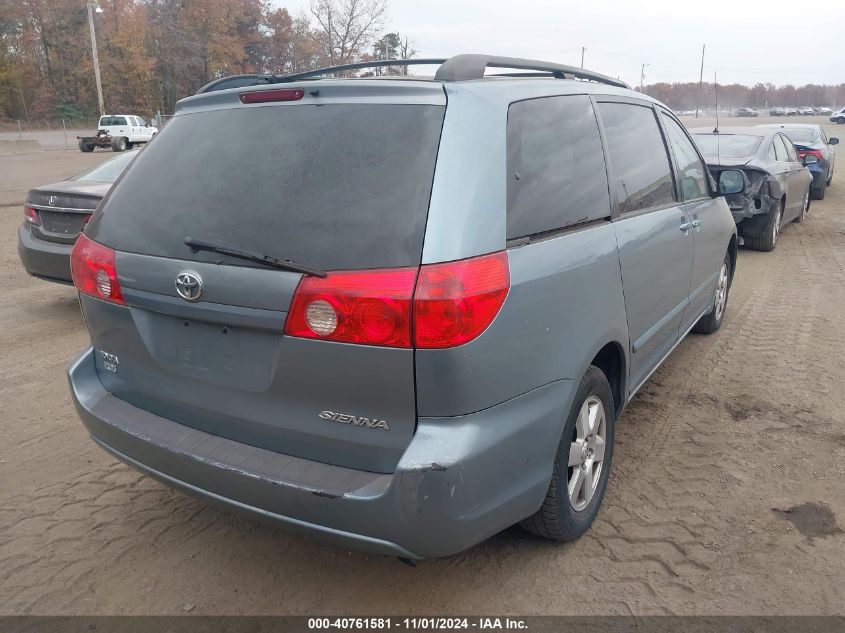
pixel 586 453
pixel 721 292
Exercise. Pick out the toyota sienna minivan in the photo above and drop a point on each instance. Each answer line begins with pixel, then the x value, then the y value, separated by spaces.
pixel 401 315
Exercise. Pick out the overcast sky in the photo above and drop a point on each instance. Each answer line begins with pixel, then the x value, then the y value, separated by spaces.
pixel 748 41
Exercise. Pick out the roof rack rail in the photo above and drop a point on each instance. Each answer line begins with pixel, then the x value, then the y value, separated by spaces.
pixel 466 67
pixel 376 63
pixel 458 68
pixel 242 81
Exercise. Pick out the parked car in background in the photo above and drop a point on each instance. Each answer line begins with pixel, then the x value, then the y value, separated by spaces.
pixel 814 149
pixel 745 112
pixel 838 117
pixel 118 131
pixel 445 357
pixel 790 111
pixel 777 111
pixel 54 216
pixel 823 111
pixel 777 185
pixel 806 111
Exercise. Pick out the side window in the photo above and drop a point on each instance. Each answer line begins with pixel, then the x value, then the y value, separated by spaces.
pixel 780 149
pixel 555 165
pixel 638 156
pixel 693 171
pixel 790 150
pixel 772 154
pixel 824 137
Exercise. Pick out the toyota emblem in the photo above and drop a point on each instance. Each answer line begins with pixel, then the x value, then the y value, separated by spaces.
pixel 189 285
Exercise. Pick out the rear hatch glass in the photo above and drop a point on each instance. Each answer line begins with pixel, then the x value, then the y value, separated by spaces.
pixel 333 186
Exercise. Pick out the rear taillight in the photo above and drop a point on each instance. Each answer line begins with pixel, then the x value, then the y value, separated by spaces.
pixel 369 307
pixel 811 152
pixel 457 301
pixel 93 270
pixel 31 215
pixel 435 306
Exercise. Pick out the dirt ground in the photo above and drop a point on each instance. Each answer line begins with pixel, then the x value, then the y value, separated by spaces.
pixel 726 495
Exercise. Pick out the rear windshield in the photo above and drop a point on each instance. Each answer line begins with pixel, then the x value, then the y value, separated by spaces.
pixel 107 121
pixel 797 135
pixel 110 170
pixel 728 145
pixel 331 186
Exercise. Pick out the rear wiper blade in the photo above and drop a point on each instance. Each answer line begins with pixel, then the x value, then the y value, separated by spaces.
pixel 282 264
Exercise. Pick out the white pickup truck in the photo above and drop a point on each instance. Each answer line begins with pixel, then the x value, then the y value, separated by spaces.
pixel 118 131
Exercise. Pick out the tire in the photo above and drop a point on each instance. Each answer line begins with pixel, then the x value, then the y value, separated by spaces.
pixel 818 194
pixel 119 144
pixel 840 120
pixel 85 147
pixel 559 519
pixel 712 321
pixel 804 210
pixel 769 238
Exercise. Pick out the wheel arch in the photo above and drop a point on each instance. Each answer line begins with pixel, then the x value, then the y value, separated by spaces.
pixel 611 360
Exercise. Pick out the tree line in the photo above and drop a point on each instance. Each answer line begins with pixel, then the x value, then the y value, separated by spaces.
pixel 154 52
pixel 688 96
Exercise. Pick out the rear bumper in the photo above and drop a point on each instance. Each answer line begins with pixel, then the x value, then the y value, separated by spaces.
pixel 460 481
pixel 819 173
pixel 40 258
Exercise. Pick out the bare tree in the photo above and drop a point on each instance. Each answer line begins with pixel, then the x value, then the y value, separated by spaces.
pixel 407 50
pixel 346 28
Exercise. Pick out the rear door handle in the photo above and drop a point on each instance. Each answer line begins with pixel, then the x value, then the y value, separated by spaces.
pixel 685 226
pixel 696 224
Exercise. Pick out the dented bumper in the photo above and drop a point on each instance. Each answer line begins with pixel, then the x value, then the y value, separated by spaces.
pixel 460 481
pixel 751 207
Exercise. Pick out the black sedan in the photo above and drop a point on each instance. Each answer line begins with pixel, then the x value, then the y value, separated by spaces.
pixel 777 184
pixel 55 215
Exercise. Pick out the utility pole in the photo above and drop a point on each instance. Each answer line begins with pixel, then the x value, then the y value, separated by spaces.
pixel 94 55
pixel 583 50
pixel 700 81
pixel 642 76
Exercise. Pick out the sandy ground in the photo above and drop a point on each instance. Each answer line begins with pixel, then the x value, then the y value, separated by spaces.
pixel 726 495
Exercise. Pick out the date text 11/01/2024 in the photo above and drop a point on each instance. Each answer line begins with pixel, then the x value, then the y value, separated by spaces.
pixel 418 623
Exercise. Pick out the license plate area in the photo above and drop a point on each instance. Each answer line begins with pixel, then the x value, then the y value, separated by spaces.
pixel 230 356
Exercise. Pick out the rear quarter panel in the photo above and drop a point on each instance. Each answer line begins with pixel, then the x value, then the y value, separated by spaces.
pixel 565 303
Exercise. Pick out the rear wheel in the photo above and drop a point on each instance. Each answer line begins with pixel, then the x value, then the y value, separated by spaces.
pixel 119 144
pixel 819 192
pixel 712 321
pixel 804 210
pixel 769 238
pixel 85 147
pixel 582 464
